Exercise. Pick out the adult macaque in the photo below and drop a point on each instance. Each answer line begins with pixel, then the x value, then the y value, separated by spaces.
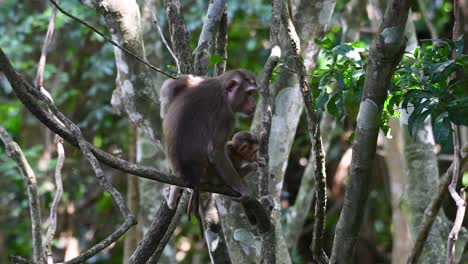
pixel 198 119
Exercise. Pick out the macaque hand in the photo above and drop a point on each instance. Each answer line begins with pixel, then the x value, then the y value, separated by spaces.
pixel 248 169
pixel 261 162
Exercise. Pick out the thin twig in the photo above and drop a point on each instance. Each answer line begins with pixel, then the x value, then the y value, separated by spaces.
pixel 316 140
pixel 48 38
pixel 14 152
pixel 58 194
pixel 264 170
pixel 161 34
pixel 59 142
pixel 108 39
pixel 117 197
pixel 460 199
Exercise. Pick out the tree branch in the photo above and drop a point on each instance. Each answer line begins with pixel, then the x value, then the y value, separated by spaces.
pixel 316 140
pixel 108 39
pixel 114 193
pixel 179 34
pixel 205 41
pixel 430 26
pixel 14 152
pixel 59 143
pixel 385 53
pixel 221 44
pixel 460 199
pixel 181 210
pixel 264 169
pixel 58 195
pixel 29 97
pixel 159 232
pixel 431 212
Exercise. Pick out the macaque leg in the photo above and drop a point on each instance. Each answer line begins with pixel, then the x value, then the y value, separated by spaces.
pixel 172 195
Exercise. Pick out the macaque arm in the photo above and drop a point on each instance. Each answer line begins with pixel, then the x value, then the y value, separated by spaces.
pixel 227 172
pixel 247 169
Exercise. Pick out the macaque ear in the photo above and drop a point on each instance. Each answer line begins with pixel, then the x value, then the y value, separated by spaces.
pixel 231 85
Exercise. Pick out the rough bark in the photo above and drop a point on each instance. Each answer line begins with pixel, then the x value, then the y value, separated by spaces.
pixel 207 36
pixel 385 53
pixel 179 34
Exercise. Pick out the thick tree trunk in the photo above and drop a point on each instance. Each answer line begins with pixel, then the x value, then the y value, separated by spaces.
pixel 136 97
pixel 385 53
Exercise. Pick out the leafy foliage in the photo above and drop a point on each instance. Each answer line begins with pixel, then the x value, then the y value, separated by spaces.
pixel 423 85
pixel 337 86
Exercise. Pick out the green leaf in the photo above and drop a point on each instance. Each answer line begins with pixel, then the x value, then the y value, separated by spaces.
pixel 459 116
pixel 322 99
pixel 334 103
pixel 416 121
pixel 325 43
pixel 442 128
pixel 348 52
pixel 441 66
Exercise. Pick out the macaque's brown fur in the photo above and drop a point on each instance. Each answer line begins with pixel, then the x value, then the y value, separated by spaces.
pixel 198 119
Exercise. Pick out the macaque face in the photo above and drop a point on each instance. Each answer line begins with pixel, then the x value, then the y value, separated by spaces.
pixel 246 145
pixel 241 91
pixel 248 152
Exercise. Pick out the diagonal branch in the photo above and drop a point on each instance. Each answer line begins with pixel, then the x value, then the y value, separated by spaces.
pixel 30 97
pixel 181 210
pixel 385 53
pixel 15 153
pixel 117 197
pixel 159 231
